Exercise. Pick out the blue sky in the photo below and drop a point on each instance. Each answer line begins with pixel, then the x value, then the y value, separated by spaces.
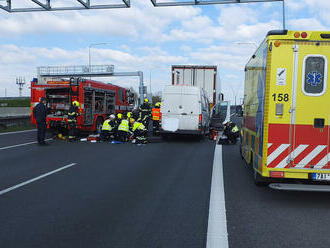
pixel 148 39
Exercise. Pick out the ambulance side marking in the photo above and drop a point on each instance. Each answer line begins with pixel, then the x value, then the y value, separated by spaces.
pixel 276 153
pixel 292 155
pixel 310 156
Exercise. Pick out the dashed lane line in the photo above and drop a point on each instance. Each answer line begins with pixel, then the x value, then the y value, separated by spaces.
pixel 23 144
pixel 24 131
pixel 35 179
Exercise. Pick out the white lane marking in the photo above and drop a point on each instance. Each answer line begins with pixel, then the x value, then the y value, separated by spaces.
pixel 24 131
pixel 323 162
pixel 35 179
pixel 24 144
pixel 277 152
pixel 217 235
pixel 292 155
pixel 310 156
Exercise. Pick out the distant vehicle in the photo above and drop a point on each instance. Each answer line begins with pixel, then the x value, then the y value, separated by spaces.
pixel 219 113
pixel 184 111
pixel 286 108
pixel 239 110
pixel 202 76
pixel 97 100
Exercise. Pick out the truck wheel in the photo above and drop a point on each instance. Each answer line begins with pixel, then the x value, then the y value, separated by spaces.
pixel 99 123
pixel 258 179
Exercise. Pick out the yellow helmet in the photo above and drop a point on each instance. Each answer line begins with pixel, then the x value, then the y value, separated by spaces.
pixel 75 103
pixel 129 114
pixel 119 115
pixel 132 120
pixel 158 104
pixel 146 100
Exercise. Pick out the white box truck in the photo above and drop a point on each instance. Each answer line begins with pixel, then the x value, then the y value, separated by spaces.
pixel 202 76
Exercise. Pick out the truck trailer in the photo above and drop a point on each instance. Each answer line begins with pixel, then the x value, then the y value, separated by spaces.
pixel 285 130
pixel 202 76
pixel 97 101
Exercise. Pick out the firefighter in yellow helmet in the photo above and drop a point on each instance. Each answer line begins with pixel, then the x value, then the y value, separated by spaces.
pixel 123 132
pixel 145 113
pixel 139 132
pixel 156 118
pixel 108 129
pixel 73 113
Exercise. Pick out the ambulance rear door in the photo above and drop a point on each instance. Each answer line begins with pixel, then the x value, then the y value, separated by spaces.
pixel 310 110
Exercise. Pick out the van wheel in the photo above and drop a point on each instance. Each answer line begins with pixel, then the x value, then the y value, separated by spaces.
pixel 258 179
pixel 99 124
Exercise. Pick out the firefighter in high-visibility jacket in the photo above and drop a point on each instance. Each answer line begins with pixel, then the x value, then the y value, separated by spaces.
pixel 145 113
pixel 156 118
pixel 123 132
pixel 108 129
pixel 73 113
pixel 139 132
pixel 231 131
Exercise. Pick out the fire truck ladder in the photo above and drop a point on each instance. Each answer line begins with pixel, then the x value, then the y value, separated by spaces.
pixel 45 72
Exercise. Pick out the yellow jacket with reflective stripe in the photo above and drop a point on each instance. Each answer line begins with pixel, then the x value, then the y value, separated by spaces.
pixel 124 126
pixel 139 126
pixel 235 129
pixel 106 126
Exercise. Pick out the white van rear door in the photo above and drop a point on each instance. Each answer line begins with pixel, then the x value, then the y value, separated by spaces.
pixel 189 112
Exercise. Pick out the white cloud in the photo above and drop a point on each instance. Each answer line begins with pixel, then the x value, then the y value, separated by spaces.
pixel 22 61
pixel 306 24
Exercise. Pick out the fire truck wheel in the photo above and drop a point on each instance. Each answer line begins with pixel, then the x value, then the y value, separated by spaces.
pixel 99 123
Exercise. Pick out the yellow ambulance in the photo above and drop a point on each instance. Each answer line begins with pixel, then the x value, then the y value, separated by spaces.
pixel 285 130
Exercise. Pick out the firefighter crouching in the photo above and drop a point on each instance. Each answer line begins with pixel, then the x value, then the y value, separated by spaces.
pixel 139 132
pixel 123 132
pixel 232 133
pixel 145 113
pixel 72 120
pixel 156 117
pixel 108 129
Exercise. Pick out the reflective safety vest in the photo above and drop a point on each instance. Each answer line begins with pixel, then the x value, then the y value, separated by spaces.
pixel 156 114
pixel 138 126
pixel 106 126
pixel 124 126
pixel 235 129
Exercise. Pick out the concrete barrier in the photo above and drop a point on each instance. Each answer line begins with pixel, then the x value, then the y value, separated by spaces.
pixel 15 111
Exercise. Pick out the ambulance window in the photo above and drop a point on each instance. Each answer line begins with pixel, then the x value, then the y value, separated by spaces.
pixel 315 74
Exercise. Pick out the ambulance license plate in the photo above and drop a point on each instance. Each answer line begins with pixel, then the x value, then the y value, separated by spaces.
pixel 321 176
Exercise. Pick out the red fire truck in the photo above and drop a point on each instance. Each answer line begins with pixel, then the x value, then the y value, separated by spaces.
pixel 97 100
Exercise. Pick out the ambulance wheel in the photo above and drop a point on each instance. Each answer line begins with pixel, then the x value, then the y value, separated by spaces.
pixel 99 123
pixel 240 151
pixel 258 179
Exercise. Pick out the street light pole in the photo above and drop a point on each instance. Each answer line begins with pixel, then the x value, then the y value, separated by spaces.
pixel 248 43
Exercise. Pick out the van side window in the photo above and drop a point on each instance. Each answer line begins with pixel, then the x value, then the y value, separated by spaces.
pixel 315 75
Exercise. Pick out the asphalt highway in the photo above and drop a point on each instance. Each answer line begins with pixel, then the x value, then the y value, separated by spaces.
pixel 144 196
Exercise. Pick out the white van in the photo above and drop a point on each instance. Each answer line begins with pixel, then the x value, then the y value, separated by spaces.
pixel 185 110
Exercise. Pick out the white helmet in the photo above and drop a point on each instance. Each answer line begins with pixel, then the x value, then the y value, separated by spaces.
pixel 112 116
